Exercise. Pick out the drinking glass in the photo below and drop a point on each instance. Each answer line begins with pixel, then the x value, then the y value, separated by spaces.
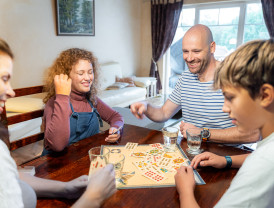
pixel 170 138
pixel 98 158
pixel 117 159
pixel 194 141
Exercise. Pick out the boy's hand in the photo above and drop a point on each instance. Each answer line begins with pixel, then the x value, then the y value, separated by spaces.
pixel 62 84
pixel 184 180
pixel 208 159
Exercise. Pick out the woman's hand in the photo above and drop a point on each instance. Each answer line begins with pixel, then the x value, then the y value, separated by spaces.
pixel 75 188
pixel 114 135
pixel 208 159
pixel 101 186
pixel 62 84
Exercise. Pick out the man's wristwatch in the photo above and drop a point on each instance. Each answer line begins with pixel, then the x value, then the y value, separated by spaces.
pixel 205 134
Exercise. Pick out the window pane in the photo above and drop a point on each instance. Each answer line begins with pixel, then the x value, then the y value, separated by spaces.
pixel 225 36
pixel 187 17
pixel 229 16
pixel 209 16
pixel 180 32
pixel 254 14
pixel 253 32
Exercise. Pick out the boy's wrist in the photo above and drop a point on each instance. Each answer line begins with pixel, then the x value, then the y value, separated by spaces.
pixel 228 162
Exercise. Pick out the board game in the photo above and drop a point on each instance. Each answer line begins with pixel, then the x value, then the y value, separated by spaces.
pixel 149 166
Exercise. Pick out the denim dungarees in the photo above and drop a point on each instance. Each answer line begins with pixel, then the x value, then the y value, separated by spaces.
pixel 82 125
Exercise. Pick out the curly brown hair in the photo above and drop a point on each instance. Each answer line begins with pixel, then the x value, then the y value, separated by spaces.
pixel 63 65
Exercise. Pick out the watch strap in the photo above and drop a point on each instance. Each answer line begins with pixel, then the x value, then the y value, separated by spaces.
pixel 228 162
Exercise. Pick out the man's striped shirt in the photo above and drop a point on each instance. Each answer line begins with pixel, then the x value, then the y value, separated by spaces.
pixel 201 105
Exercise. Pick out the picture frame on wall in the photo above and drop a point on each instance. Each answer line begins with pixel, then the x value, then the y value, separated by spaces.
pixel 75 17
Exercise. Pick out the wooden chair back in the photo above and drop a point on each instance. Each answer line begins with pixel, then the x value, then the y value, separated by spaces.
pixel 24 117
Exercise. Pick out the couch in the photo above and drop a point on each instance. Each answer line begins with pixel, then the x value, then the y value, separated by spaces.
pixel 114 93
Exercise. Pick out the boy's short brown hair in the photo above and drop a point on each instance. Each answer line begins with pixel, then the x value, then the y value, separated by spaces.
pixel 249 67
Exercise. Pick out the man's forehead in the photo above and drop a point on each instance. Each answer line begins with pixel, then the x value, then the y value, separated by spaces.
pixel 193 43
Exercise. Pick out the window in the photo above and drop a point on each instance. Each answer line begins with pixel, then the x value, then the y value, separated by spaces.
pixel 232 24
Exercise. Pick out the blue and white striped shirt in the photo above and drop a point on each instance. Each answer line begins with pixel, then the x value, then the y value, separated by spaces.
pixel 201 105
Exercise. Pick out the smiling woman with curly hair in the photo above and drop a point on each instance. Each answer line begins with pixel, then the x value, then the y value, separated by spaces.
pixel 73 111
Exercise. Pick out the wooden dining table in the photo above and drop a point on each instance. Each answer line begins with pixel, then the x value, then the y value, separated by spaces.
pixel 74 162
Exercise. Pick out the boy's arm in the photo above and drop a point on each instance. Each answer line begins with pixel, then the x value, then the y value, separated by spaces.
pixel 216 161
pixel 185 184
pixel 238 160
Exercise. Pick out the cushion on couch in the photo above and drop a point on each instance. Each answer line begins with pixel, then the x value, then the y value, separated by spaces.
pixel 117 86
pixel 109 72
pixel 128 80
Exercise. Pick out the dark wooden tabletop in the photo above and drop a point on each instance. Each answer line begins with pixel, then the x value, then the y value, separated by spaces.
pixel 74 162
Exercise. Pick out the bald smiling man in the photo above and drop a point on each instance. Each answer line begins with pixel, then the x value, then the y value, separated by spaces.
pixel 201 105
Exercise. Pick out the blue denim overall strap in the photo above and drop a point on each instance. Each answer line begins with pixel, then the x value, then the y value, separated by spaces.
pixel 84 124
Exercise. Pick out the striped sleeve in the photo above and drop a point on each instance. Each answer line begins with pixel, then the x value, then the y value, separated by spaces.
pixel 201 105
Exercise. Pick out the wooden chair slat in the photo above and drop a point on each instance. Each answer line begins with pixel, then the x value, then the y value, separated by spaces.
pixel 27 140
pixel 24 117
pixel 28 91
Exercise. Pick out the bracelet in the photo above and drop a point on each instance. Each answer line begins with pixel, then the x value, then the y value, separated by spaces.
pixel 228 162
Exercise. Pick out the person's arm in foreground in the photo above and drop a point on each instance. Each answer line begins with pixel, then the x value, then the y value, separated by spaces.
pixel 229 135
pixel 101 186
pixel 157 114
pixel 54 189
pixel 216 161
pixel 185 184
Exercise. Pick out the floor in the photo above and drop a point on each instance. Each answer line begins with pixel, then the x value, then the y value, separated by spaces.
pixel 129 118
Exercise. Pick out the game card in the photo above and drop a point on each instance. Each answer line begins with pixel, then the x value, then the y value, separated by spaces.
pixel 138 154
pixel 157 146
pixel 165 162
pixel 131 146
pixel 155 151
pixel 179 160
pixel 154 176
pixel 141 165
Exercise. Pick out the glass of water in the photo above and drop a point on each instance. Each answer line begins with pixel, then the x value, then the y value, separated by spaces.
pixel 170 138
pixel 98 158
pixel 117 159
pixel 194 140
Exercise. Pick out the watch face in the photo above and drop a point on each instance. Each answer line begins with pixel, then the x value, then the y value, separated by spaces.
pixel 205 133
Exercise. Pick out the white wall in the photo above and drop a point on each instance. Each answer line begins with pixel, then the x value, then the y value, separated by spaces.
pixel 29 26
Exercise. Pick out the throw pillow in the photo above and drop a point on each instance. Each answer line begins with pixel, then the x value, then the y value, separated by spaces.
pixel 117 86
pixel 128 80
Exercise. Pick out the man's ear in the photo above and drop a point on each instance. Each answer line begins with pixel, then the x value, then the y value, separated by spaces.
pixel 267 95
pixel 212 47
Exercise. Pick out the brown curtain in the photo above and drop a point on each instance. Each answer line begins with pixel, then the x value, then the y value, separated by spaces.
pixel 164 21
pixel 268 11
